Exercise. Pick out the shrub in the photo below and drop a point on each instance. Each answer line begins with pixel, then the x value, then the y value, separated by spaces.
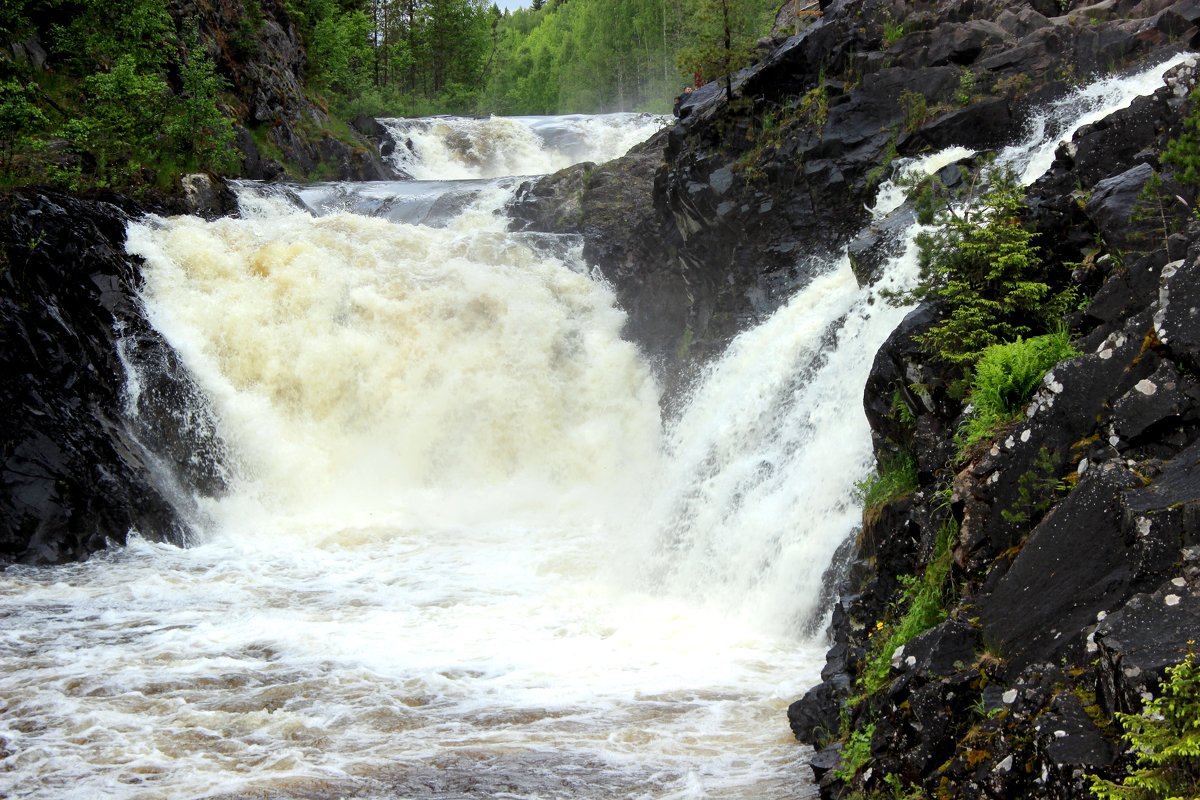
pixel 124 119
pixel 855 754
pixel 1183 152
pixel 916 109
pixel 1165 739
pixel 199 129
pixel 982 265
pixel 20 121
pixel 1005 378
pixel 893 32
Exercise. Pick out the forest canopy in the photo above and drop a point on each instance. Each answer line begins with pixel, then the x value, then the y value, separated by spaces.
pixel 556 57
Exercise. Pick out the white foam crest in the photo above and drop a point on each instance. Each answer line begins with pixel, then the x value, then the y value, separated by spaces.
pixel 765 457
pixel 894 191
pixel 459 148
pixel 1060 121
pixel 351 360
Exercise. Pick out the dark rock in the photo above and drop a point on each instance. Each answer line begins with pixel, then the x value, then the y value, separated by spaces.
pixel 939 652
pixel 1177 321
pixel 878 243
pixel 814 717
pixel 984 124
pixel 1114 203
pixel 553 203
pixel 207 197
pixel 79 468
pixel 1127 289
pixel 1069 747
pixel 1152 402
pixel 825 761
pixel 1073 567
pixel 1138 643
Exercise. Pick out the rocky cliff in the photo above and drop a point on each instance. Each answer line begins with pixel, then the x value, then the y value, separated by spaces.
pixel 280 130
pixel 741 202
pixel 1071 542
pixel 87 458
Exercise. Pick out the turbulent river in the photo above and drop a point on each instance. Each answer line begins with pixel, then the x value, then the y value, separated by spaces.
pixel 461 555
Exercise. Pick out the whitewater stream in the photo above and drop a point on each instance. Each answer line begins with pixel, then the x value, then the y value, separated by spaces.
pixel 461 555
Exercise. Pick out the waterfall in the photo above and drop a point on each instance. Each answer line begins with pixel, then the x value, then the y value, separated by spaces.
pixel 460 555
pixel 764 460
pixel 456 148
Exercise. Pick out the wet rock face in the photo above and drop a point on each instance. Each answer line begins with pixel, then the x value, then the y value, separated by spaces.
pixel 751 198
pixel 1076 551
pixel 78 468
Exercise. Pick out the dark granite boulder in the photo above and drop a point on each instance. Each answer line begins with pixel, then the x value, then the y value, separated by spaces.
pixel 1138 643
pixel 1073 566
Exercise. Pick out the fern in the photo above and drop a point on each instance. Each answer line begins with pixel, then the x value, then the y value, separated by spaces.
pixel 1005 377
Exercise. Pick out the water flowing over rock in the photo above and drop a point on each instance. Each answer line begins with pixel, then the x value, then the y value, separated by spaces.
pixel 1081 517
pixel 751 197
pixel 465 372
pixel 82 467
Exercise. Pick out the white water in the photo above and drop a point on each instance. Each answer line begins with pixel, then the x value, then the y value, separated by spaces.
pixel 461 558
pixel 457 148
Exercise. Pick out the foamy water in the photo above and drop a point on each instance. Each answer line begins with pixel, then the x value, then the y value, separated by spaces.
pixel 461 556
pixel 457 148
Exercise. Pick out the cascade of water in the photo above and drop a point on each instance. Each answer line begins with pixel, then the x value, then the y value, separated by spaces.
pixel 765 458
pixel 381 362
pixel 456 148
pixel 443 451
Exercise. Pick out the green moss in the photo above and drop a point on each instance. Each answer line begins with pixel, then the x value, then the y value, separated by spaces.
pixel 896 478
pixel 921 606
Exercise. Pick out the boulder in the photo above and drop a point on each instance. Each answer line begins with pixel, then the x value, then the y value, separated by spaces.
pixel 1114 203
pixel 1073 567
pixel 1136 644
pixel 1177 320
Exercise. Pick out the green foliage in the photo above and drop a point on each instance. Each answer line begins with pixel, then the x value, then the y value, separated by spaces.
pixel 921 606
pixel 1165 740
pixel 606 55
pixel 890 154
pixel 199 131
pixel 1036 490
pixel 966 87
pixel 20 123
pixel 340 53
pixel 722 36
pixel 125 112
pixel 108 88
pixel 855 754
pixel 916 109
pixel 814 107
pixel 893 32
pixel 98 33
pixel 983 267
pixel 896 477
pixel 1183 152
pixel 900 410
pixel 1005 378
